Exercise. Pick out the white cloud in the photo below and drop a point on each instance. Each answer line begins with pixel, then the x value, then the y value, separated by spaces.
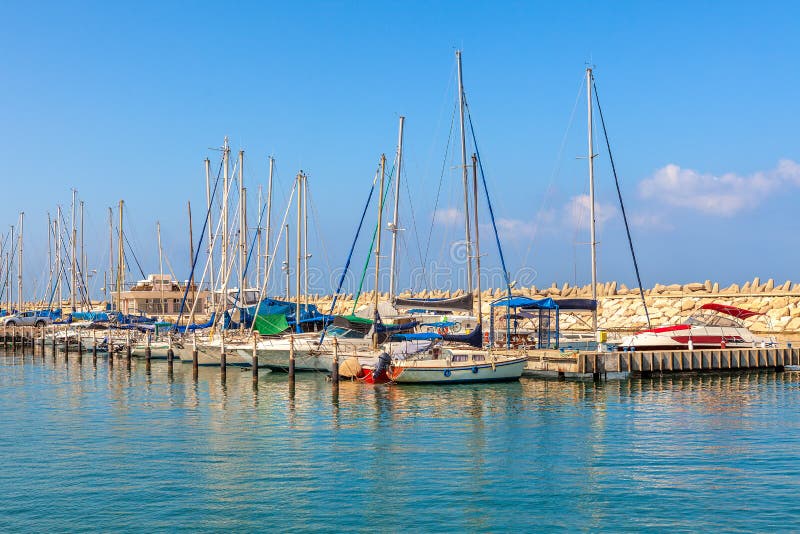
pixel 448 216
pixel 577 210
pixel 516 229
pixel 650 220
pixel 723 195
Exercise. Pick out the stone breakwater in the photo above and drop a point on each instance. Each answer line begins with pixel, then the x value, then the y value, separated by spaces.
pixel 620 308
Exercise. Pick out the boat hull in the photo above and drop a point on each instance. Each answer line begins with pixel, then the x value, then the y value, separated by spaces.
pixel 439 372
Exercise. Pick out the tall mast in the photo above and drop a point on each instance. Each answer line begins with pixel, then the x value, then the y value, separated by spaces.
pixel 191 253
pixel 592 222
pixel 210 233
pixel 269 218
pixel 160 266
pixel 306 255
pixel 299 245
pixel 394 229
pixel 19 262
pixel 9 283
pixel 110 256
pixel 288 270
pixel 464 172
pixel 73 248
pixel 57 239
pixel 477 238
pixel 378 254
pixel 120 258
pixel 242 224
pixel 224 257
pixel 50 252
pixel 84 273
pixel 259 236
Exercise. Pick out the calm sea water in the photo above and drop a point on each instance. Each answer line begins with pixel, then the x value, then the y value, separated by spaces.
pixel 99 448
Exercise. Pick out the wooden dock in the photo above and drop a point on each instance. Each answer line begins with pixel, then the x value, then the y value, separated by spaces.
pixel 599 365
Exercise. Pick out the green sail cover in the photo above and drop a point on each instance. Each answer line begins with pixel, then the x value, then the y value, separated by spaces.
pixel 269 325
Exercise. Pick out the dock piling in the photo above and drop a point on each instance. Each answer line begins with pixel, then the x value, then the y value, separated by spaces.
pixel 255 357
pixel 335 366
pixel 291 358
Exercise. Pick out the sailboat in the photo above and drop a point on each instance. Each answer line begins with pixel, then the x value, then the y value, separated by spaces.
pixel 449 358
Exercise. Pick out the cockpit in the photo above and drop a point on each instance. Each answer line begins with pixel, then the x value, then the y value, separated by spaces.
pixel 710 318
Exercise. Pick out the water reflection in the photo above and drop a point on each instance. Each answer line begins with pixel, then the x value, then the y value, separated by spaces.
pixel 233 453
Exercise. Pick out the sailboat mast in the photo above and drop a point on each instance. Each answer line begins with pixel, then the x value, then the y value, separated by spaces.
pixel 73 248
pixel 260 238
pixel 210 212
pixel 299 245
pixel 57 239
pixel 110 256
pixel 191 253
pixel 160 265
pixel 477 238
pixel 464 172
pixel 224 254
pixel 9 284
pixel 84 273
pixel 395 221
pixel 242 224
pixel 378 254
pixel 288 271
pixel 49 252
pixel 306 255
pixel 592 222
pixel 19 262
pixel 120 258
pixel 268 228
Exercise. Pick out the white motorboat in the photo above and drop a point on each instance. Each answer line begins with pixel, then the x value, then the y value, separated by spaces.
pixel 713 326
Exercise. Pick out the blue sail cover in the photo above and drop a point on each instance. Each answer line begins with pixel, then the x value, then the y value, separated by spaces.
pixel 474 338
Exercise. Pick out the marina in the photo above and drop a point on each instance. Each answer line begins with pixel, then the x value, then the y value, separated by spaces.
pixel 399 267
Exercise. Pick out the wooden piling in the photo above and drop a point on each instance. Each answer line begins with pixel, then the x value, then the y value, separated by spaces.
pixel 335 367
pixel 223 358
pixel 128 349
pixel 255 357
pixel 66 342
pixel 194 355
pixel 291 358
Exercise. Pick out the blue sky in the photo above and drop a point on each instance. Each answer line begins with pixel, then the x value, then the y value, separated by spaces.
pixel 124 100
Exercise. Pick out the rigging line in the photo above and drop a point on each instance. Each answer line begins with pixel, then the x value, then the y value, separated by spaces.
pixel 13 253
pixel 125 237
pixel 488 199
pixel 621 204
pixel 349 258
pixel 198 250
pixel 315 219
pixel 262 292
pixel 436 204
pixel 372 245
pixel 557 166
pixel 415 227
pixel 249 257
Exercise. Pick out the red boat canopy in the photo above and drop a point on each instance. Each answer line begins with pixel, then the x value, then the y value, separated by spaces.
pixel 733 311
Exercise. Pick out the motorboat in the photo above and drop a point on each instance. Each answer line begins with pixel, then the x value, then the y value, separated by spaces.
pixel 713 326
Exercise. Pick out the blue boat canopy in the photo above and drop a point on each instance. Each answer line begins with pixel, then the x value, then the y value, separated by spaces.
pixel 526 303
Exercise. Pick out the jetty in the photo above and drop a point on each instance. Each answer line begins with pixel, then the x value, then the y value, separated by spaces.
pixel 623 364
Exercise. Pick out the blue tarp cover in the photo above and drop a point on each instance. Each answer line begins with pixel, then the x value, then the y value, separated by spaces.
pixel 417 336
pixel 527 303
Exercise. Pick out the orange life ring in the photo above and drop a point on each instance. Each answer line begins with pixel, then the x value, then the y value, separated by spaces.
pixel 443 330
